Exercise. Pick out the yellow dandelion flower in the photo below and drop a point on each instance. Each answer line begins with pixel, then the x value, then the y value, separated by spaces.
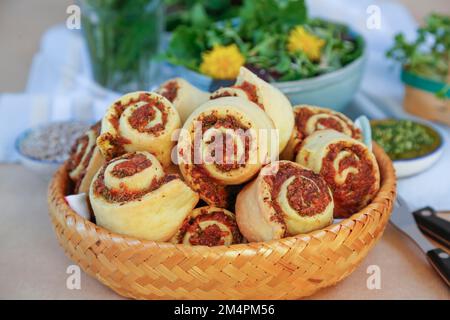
pixel 301 40
pixel 222 62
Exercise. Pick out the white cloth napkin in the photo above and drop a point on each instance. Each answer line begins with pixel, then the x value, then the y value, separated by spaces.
pixel 59 88
pixel 79 204
pixel 20 111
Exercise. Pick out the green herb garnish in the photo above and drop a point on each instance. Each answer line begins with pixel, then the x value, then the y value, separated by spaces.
pixel 429 54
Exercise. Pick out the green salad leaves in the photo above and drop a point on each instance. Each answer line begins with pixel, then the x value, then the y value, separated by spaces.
pixel 263 30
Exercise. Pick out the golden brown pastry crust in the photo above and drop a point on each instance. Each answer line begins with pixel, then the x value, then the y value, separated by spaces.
pixel 347 165
pixel 249 86
pixel 309 119
pixel 139 121
pixel 209 226
pixel 285 199
pixel 184 96
pixel 132 195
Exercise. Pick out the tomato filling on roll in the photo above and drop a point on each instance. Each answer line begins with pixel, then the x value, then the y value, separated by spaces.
pixel 134 163
pixel 170 90
pixel 80 148
pixel 332 121
pixel 208 186
pixel 81 154
pixel 132 166
pixel 307 193
pixel 149 116
pixel 224 93
pixel 78 151
pixel 211 235
pixel 145 114
pixel 230 158
pixel 249 89
pixel 350 175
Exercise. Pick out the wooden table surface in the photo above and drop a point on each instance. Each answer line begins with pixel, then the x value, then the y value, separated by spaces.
pixel 33 266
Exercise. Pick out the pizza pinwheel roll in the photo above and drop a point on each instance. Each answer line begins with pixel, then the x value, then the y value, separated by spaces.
pixel 209 226
pixel 224 143
pixel 85 159
pixel 184 96
pixel 132 195
pixel 347 165
pixel 267 97
pixel 309 119
pixel 285 199
pixel 139 121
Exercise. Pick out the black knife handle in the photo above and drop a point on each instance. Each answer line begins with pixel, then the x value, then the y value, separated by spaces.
pixel 440 260
pixel 433 226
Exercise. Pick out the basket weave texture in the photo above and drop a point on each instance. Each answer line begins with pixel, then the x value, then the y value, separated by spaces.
pixel 289 268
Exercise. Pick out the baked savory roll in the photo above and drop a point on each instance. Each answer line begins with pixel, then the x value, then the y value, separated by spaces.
pixel 223 143
pixel 132 195
pixel 267 97
pixel 285 199
pixel 85 159
pixel 347 165
pixel 309 119
pixel 209 226
pixel 139 121
pixel 184 96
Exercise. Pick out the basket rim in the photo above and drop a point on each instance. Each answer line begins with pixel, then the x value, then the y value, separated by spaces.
pixel 387 185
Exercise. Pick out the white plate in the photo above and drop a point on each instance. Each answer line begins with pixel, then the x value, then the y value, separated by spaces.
pixel 410 167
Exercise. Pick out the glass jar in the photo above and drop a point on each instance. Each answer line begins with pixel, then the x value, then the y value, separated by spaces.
pixel 123 38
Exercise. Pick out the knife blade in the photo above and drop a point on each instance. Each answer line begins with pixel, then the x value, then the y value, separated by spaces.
pixel 403 219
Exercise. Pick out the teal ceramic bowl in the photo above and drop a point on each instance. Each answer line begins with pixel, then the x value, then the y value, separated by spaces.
pixel 332 90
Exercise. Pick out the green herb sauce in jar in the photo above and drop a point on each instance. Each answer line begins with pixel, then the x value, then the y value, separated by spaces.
pixel 404 139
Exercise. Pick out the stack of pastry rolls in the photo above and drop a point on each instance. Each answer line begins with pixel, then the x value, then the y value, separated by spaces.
pixel 198 168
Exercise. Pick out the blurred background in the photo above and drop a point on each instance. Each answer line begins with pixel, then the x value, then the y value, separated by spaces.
pixel 23 22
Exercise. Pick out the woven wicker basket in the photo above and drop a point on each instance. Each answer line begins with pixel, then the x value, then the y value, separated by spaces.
pixel 289 268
